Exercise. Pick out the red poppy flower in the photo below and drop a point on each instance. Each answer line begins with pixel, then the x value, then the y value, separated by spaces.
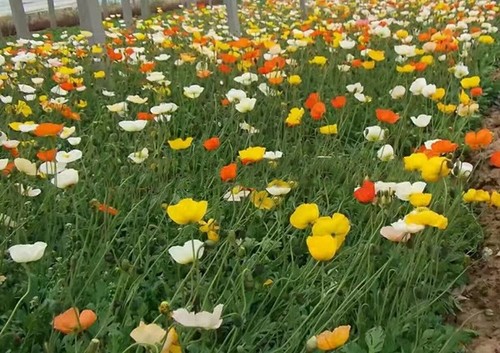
pixel 366 193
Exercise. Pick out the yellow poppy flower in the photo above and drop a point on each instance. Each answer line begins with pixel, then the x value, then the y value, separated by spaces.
pixel 446 108
pixel 427 59
pixel 415 161
pixel 473 195
pixel 495 199
pixel 99 74
pixel 318 60
pixel 405 69
pixel 377 55
pixel 324 247
pixel 294 80
pixel 252 154
pixel 420 199
pixel 187 211
pixel 470 82
pixel 328 129
pixel 434 169
pixel 180 144
pixel 485 39
pixel 426 217
pixel 294 118
pixel 329 340
pixel 337 225
pixel 304 215
pixel 439 94
pixel 368 65
pixel 261 200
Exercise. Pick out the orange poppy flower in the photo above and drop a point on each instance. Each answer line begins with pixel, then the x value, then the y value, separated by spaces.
pixel 311 100
pixel 203 73
pixel 495 159
pixel 386 116
pixel 225 102
pixel 9 168
pixel 145 116
pixel 14 152
pixel 357 63
pixel 339 102
pixel 48 129
pixel 228 58
pixel 147 67
pixel 225 69
pixel 211 144
pixel 476 92
pixel 444 146
pixel 252 55
pixel 275 80
pixel 47 156
pixel 240 43
pixel 107 209
pixel 419 66
pixel 228 172
pixel 478 140
pixel 67 86
pixel 69 114
pixel 73 321
pixel 318 110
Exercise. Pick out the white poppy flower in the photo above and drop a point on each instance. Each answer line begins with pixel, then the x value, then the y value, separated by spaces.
pixel 67 132
pixel 3 137
pixel 460 70
pixel 164 108
pixel 405 50
pixel 162 117
pixel 27 127
pixel 429 90
pixel 246 105
pixel 37 80
pixel 355 88
pixel 27 191
pixel 137 99
pixel 66 178
pixel 162 57
pixel 405 189
pixel 247 78
pixel 3 163
pixel 9 144
pixel 395 235
pixel 385 153
pixel 347 43
pixel 140 156
pixel 362 98
pixel 462 169
pixel 187 253
pixel 374 133
pixel 278 190
pixel 236 194
pixel 153 334
pixel 204 319
pixel 24 253
pixel 26 89
pixel 155 76
pixel 133 125
pixel 428 144
pixel 58 90
pixel 25 166
pixel 117 107
pixel 417 86
pixel 51 168
pixel 422 120
pixel 235 95
pixel 108 93
pixel 385 187
pixel 73 141
pixel 248 128
pixel 397 92
pixel 30 97
pixel 193 91
pixel 273 155
pixel 343 68
pixel 68 157
pixel 6 99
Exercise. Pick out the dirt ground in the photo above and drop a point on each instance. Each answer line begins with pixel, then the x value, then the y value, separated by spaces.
pixel 480 299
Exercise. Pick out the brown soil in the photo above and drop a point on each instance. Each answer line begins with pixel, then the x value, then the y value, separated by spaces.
pixel 480 299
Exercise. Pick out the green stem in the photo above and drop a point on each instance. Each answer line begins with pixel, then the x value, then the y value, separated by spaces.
pixel 4 328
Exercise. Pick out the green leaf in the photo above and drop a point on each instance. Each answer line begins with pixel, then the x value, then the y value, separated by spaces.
pixel 375 338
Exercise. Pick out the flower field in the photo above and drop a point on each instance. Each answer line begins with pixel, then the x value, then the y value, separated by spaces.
pixel 303 187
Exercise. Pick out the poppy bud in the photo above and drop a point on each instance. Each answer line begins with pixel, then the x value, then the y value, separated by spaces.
pixel 241 251
pixel 164 308
pixel 93 346
pixel 231 236
pixel 311 344
pixel 125 265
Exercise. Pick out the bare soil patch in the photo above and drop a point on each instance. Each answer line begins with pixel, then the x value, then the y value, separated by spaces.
pixel 480 299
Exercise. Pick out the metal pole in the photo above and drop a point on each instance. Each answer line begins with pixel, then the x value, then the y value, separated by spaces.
pixel 52 14
pixel 145 9
pixel 127 12
pixel 104 5
pixel 232 17
pixel 303 9
pixel 19 18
